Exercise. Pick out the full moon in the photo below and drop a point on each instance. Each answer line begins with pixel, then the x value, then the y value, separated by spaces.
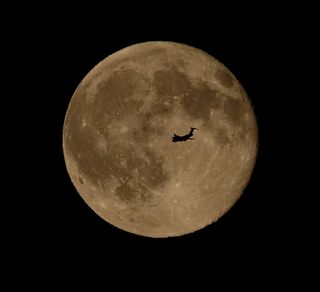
pixel 118 147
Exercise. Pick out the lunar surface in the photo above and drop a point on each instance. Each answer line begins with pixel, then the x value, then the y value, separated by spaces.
pixel 117 139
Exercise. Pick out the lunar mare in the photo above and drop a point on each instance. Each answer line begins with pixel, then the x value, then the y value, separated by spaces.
pixel 117 139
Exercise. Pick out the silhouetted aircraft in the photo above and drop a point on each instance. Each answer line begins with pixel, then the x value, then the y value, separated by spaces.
pixel 177 138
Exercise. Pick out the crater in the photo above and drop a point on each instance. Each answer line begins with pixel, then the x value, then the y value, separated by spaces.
pixel 146 197
pixel 224 77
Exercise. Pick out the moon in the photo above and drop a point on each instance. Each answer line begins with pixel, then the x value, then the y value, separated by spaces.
pixel 117 139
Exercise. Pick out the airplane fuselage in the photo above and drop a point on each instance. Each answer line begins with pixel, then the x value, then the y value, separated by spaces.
pixel 177 138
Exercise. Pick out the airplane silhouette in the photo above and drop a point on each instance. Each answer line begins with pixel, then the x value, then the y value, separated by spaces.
pixel 177 138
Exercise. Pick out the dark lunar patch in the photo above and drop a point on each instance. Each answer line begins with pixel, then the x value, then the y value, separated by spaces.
pixel 146 197
pixel 135 220
pixel 162 105
pixel 200 100
pixel 221 136
pixel 111 94
pixel 235 110
pixel 80 180
pixel 171 82
pixel 224 77
pixel 125 192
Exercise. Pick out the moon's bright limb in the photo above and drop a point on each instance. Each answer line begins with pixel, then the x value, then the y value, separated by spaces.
pixel 117 139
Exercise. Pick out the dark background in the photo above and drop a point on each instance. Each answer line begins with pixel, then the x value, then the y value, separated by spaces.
pixel 53 225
